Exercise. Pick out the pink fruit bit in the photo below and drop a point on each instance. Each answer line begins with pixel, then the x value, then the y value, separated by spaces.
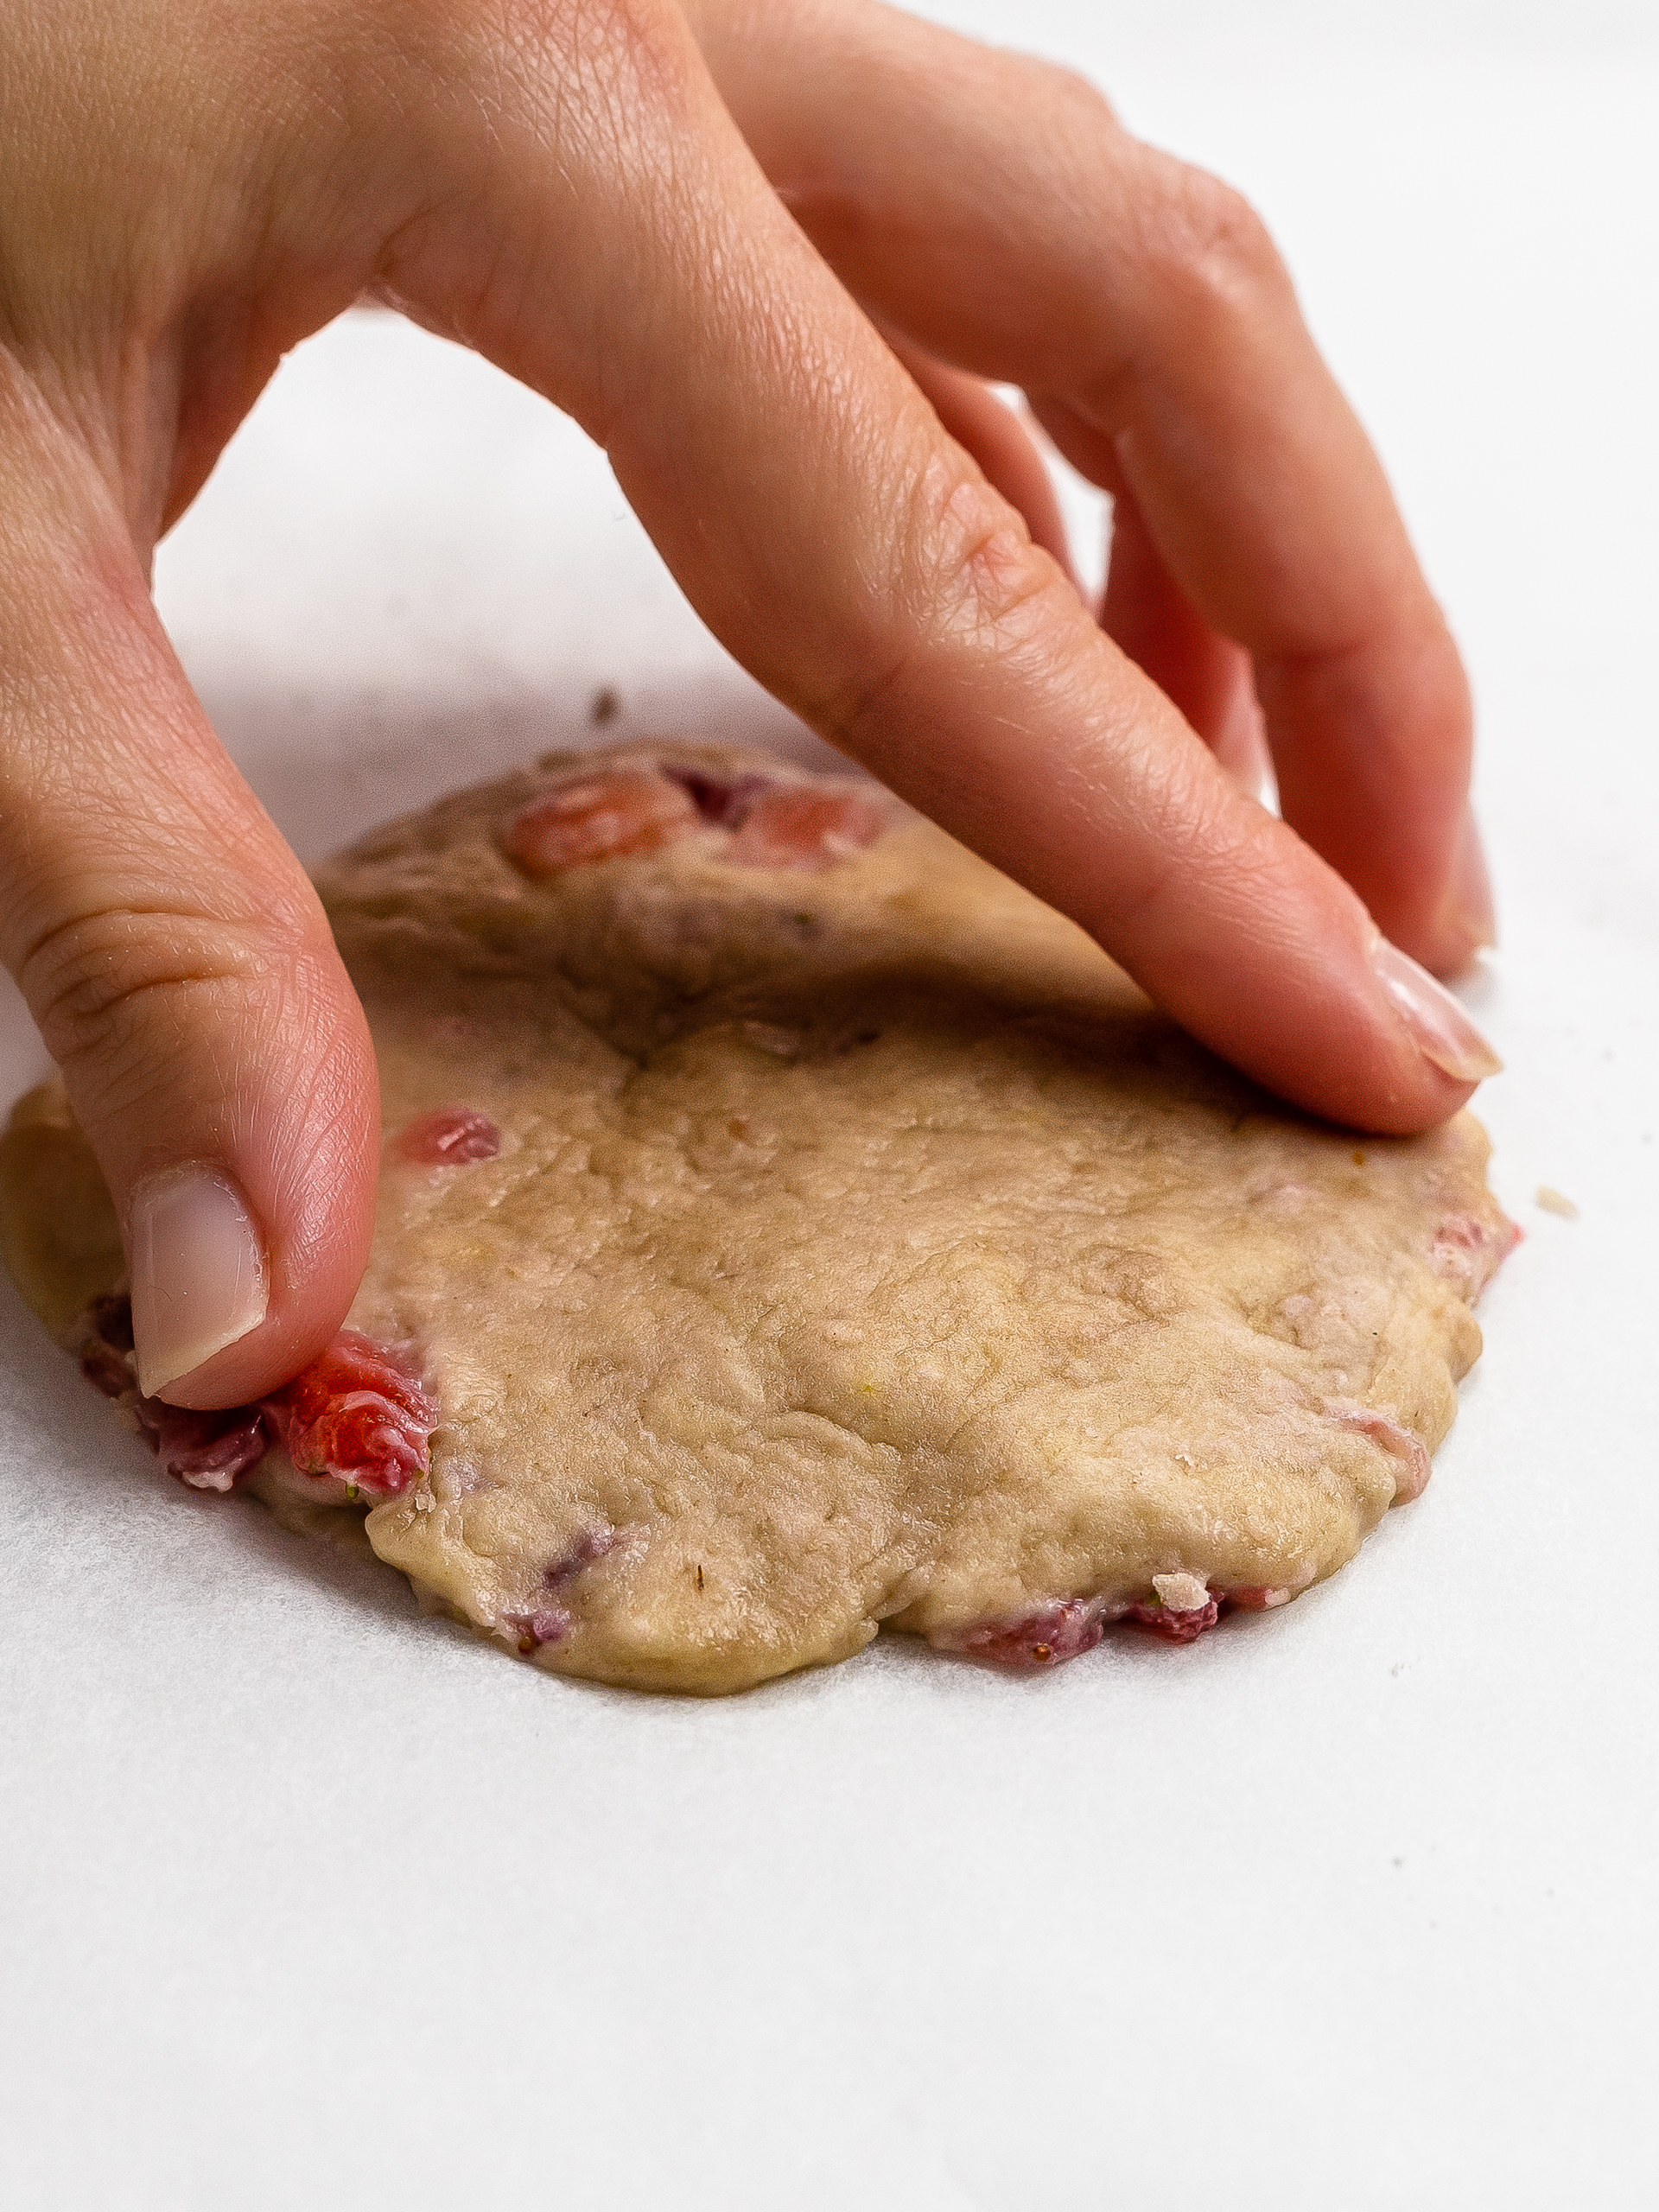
pixel 1255 1598
pixel 107 1371
pixel 547 1624
pixel 358 1413
pixel 204 1450
pixel 551 1624
pixel 1468 1251
pixel 615 816
pixel 1400 1444
pixel 449 1136
pixel 1175 1624
pixel 590 1545
pixel 723 801
pixel 1033 1643
pixel 805 826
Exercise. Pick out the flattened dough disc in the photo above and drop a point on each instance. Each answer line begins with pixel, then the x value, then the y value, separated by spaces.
pixel 859 1248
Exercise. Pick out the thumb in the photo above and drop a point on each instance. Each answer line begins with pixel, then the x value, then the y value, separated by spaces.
pixel 177 961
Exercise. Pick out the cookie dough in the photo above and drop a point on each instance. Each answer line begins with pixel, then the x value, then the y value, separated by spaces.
pixel 787 1228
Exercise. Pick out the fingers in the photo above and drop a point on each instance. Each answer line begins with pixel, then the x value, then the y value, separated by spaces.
pixel 971 413
pixel 1206 676
pixel 1145 610
pixel 990 208
pixel 172 953
pixel 852 556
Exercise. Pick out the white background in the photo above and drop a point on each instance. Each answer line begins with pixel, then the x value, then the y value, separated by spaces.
pixel 309 1900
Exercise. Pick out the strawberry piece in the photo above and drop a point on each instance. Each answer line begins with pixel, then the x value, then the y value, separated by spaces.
pixel 805 826
pixel 1467 1252
pixel 620 814
pixel 204 1450
pixel 110 1319
pixel 1034 1642
pixel 106 1369
pixel 552 1624
pixel 1400 1444
pixel 449 1136
pixel 589 1545
pixel 1256 1598
pixel 357 1413
pixel 1183 1626
pixel 723 801
pixel 547 1624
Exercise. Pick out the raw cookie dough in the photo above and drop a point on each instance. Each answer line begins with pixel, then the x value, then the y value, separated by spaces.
pixel 792 1227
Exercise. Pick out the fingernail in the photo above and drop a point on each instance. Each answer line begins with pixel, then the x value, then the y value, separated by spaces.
pixel 198 1276
pixel 1472 889
pixel 1443 1032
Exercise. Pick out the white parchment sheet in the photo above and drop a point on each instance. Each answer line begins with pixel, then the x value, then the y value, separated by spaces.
pixel 309 1901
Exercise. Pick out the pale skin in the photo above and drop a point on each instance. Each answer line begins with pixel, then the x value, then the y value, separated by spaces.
pixel 765 251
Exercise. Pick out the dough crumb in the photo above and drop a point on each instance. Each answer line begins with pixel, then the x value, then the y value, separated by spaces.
pixel 1182 1593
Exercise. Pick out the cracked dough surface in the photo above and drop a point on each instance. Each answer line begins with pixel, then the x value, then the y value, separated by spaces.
pixel 861 1249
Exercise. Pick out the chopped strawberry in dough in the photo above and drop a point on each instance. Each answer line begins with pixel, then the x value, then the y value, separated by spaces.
pixel 357 1413
pixel 1254 1598
pixel 547 1624
pixel 449 1136
pixel 616 815
pixel 1399 1443
pixel 804 827
pixel 1034 1642
pixel 1469 1250
pixel 1175 1626
pixel 722 800
pixel 206 1450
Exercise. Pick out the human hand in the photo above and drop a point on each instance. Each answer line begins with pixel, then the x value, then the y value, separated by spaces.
pixel 678 224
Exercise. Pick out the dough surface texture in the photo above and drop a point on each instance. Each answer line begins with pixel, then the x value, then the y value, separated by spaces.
pixel 790 1239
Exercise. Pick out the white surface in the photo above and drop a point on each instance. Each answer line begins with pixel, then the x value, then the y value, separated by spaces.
pixel 1349 1906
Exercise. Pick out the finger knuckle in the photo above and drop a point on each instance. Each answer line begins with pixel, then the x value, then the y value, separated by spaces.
pixel 1205 253
pixel 985 575
pixel 965 581
pixel 123 983
pixel 578 47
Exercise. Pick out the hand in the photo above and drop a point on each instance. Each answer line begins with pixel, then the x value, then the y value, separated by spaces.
pixel 683 225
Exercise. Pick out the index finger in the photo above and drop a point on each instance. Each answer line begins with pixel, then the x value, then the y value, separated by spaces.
pixel 993 209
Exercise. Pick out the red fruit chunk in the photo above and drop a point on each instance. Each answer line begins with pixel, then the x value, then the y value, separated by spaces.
pixel 204 1450
pixel 1467 1252
pixel 1255 1598
pixel 1399 1443
pixel 551 1624
pixel 805 826
pixel 591 1544
pixel 623 812
pixel 111 1316
pixel 722 803
pixel 356 1412
pixel 449 1136
pixel 1175 1627
pixel 1035 1642
pixel 107 1371
pixel 547 1624
pixel 106 1356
